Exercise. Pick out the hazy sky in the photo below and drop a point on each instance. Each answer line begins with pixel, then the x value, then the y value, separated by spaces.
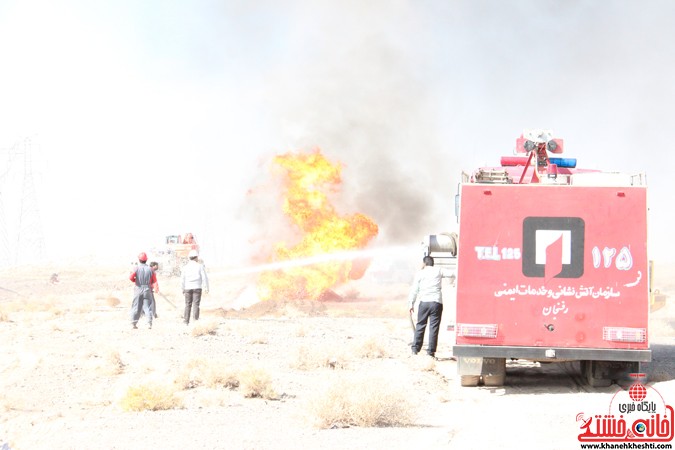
pixel 149 117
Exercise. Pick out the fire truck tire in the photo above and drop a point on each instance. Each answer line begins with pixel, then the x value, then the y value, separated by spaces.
pixel 587 374
pixel 469 380
pixel 599 382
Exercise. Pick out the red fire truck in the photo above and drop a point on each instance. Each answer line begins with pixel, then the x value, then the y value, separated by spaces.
pixel 551 266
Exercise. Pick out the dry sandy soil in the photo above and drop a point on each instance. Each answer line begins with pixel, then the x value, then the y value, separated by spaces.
pixel 69 357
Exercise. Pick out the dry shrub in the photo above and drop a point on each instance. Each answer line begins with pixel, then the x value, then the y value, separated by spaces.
pixel 424 363
pixel 192 375
pixel 6 405
pixel 81 308
pixel 301 332
pixel 303 360
pixel 259 340
pixel 199 372
pixel 220 375
pixel 334 362
pixel 351 294
pixel 33 306
pixel 4 316
pixel 362 403
pixel 13 402
pixel 371 349
pixel 391 327
pixel 112 301
pixel 256 383
pixel 48 305
pixel 56 312
pixel 207 398
pixel 314 359
pixel 149 397
pixel 113 363
pixel 10 307
pixel 204 329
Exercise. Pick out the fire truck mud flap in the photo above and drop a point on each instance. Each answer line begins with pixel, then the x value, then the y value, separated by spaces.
pixel 474 369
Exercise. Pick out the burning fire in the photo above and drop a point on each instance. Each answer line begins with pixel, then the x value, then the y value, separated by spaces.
pixel 307 178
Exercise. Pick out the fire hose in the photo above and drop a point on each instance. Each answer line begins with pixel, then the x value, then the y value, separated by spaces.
pixel 167 300
pixel 9 290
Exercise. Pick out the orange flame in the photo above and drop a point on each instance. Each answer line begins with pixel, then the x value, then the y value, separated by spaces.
pixel 307 177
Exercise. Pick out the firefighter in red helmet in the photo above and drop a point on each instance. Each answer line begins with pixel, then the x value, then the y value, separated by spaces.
pixel 144 278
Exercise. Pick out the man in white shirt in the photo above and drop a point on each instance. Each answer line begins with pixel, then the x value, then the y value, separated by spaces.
pixel 193 282
pixel 426 288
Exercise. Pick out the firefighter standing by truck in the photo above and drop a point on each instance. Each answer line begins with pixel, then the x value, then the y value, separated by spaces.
pixel 193 282
pixel 426 288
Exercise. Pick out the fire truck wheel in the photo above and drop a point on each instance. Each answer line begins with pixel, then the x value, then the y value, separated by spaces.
pixel 470 380
pixel 599 382
pixel 587 372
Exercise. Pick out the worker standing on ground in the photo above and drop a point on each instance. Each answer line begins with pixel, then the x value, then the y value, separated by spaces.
pixel 426 288
pixel 193 282
pixel 144 278
pixel 154 265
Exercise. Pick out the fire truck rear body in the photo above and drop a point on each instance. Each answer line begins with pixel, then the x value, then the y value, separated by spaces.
pixel 551 265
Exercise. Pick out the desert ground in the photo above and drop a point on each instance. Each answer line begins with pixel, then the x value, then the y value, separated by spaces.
pixel 331 374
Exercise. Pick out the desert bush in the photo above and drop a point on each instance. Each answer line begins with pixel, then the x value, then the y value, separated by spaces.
pixel 113 364
pixel 81 308
pixel 199 372
pixel 259 340
pixel 43 305
pixel 303 360
pixel 256 383
pixel 220 375
pixel 363 403
pixel 10 307
pixel 424 363
pixel 147 397
pixel 308 360
pixel 4 316
pixel 112 301
pixel 371 348
pixel 192 374
pixel 203 329
pixel 351 294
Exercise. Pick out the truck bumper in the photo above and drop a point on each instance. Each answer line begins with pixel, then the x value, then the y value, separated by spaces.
pixel 553 353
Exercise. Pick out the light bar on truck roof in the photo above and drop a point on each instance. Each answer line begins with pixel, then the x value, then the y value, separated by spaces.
pixel 570 163
pixel 480 330
pixel 564 162
pixel 624 334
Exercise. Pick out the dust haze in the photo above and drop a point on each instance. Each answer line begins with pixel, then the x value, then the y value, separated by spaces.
pixel 154 119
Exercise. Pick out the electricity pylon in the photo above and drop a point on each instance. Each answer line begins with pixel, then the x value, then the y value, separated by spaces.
pixel 22 238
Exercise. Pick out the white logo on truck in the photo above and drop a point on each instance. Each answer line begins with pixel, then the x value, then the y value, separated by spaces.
pixel 553 247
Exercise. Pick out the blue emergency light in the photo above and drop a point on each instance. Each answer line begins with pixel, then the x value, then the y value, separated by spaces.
pixel 564 162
